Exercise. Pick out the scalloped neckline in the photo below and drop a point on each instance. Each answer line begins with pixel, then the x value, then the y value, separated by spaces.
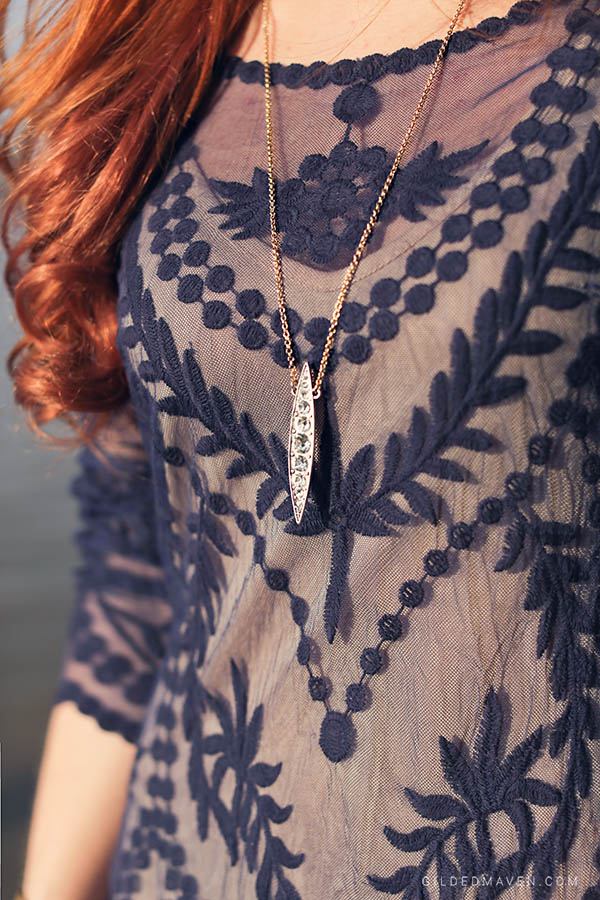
pixel 374 66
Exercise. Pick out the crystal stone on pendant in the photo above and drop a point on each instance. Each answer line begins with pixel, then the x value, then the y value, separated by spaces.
pixel 301 443
pixel 299 480
pixel 300 463
pixel 303 407
pixel 302 424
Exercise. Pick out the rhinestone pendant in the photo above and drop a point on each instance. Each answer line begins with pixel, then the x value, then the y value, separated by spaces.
pixel 301 442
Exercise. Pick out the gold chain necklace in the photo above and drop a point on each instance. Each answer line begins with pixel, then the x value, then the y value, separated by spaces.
pixel 302 424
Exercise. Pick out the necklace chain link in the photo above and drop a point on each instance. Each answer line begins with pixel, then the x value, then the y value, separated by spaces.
pixel 275 236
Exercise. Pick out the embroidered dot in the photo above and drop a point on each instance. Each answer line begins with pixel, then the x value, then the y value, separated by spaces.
pixel 460 535
pixel 420 299
pixel 537 170
pixel 337 736
pixel 218 503
pixel 490 510
pixel 299 609
pixel 538 449
pixel 452 266
pixel 220 279
pixel 371 660
pixel 303 651
pixel 189 289
pixel 181 183
pixel 385 292
pixel 291 75
pixel 158 220
pixel 356 103
pixel 338 196
pixel 278 354
pixel 560 411
pixel 139 691
pixel 252 335
pixel 112 669
pixel 130 336
pixel 555 136
pixel 294 322
pixel 182 207
pixel 579 20
pixel 420 262
pixel 352 233
pixel 371 159
pixel 579 60
pixel 371 67
pixel 165 716
pixel 455 228
pixel 317 75
pixel 160 195
pixel 356 348
pixel 172 879
pixel 168 267
pixel 591 468
pixel 342 72
pixel 316 330
pixel 88 647
pixel 296 241
pixel 277 579
pixel 196 254
pixel 485 195
pixel 173 456
pixel 507 164
pixel 312 167
pixel 488 234
pixel 324 247
pixel 216 314
pixel 177 854
pixel 245 522
pixel 514 199
pixel 317 688
pixel 411 593
pixel 383 326
pixel 184 231
pixel 436 562
pixel 547 93
pixel 343 154
pixel 390 627
pixel 357 697
pixel 526 132
pixel 161 241
pixel 353 316
pixel 250 304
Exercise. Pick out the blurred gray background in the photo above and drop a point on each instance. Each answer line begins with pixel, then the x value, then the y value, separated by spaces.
pixel 36 588
pixel 36 593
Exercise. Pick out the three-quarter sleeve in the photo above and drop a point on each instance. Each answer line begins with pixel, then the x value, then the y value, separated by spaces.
pixel 120 617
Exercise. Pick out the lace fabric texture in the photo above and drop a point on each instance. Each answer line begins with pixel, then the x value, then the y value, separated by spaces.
pixel 399 696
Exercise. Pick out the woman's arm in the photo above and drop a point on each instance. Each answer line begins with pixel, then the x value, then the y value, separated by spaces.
pixel 77 809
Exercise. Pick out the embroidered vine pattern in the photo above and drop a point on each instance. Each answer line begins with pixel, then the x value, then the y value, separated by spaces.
pixel 252 813
pixel 485 785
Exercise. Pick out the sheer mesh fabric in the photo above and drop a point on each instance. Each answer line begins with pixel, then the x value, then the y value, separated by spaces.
pixel 399 695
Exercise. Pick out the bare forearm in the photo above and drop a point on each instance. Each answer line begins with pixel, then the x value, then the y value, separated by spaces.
pixel 78 807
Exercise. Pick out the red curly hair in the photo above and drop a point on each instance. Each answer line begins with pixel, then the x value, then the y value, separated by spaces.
pixel 95 99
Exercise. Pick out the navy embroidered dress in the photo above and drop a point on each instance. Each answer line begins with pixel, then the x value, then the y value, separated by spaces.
pixel 400 695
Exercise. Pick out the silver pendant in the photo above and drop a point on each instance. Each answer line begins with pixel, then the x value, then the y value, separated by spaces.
pixel 302 442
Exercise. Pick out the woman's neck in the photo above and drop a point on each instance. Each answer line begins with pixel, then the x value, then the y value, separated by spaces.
pixel 329 30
